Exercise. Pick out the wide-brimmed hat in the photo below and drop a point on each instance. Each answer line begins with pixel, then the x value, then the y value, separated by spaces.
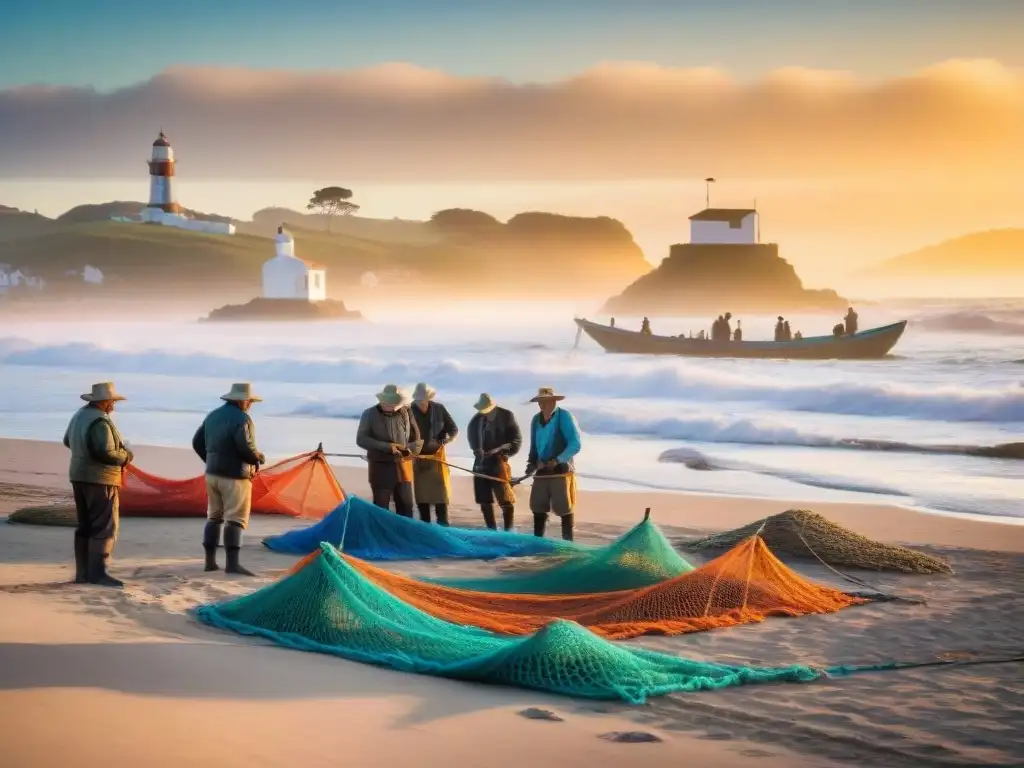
pixel 392 394
pixel 546 393
pixel 484 404
pixel 102 392
pixel 423 392
pixel 241 391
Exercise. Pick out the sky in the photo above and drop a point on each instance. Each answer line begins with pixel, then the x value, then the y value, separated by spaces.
pixel 861 129
pixel 113 43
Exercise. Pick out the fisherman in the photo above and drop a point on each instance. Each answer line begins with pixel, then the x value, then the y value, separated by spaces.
pixel 554 442
pixel 716 328
pixel 726 326
pixel 737 335
pixel 780 329
pixel 787 333
pixel 797 336
pixel 226 442
pixel 98 458
pixel 838 329
pixel 851 322
pixel 645 327
pixel 613 323
pixel 431 483
pixel 390 437
pixel 494 437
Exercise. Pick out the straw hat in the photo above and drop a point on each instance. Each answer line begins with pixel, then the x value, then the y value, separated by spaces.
pixel 485 404
pixel 546 393
pixel 423 392
pixel 101 392
pixel 391 395
pixel 240 392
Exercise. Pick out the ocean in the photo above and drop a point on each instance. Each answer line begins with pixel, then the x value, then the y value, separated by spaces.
pixel 896 431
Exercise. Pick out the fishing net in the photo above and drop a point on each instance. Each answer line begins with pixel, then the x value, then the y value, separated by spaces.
pixel 643 556
pixel 746 584
pixel 373 533
pixel 302 486
pixel 329 607
pixel 801 533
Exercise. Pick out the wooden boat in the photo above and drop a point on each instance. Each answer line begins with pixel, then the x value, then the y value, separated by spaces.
pixel 871 344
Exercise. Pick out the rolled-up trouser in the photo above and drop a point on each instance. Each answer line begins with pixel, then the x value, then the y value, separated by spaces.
pixel 97 508
pixel 228 500
pixel 553 494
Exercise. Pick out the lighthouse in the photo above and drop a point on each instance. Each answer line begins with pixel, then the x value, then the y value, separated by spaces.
pixel 161 181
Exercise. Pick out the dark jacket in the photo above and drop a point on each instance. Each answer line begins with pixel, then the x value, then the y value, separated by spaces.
pixel 97 450
pixel 436 427
pixel 502 433
pixel 378 430
pixel 226 441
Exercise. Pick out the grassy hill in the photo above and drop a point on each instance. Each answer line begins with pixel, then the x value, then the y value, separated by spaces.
pixel 578 257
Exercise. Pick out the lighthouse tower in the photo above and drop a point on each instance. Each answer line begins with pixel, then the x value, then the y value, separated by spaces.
pixel 161 182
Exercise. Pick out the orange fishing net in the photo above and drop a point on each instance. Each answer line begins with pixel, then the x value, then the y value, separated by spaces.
pixel 746 584
pixel 302 486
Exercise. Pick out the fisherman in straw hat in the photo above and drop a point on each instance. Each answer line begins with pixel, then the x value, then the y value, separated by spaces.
pixel 226 442
pixel 554 442
pixel 431 484
pixel 390 437
pixel 98 458
pixel 494 437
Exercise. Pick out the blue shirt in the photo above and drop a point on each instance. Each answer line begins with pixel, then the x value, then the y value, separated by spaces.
pixel 564 421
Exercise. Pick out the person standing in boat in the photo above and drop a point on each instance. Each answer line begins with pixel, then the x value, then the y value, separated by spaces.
pixel 494 437
pixel 737 335
pixel 431 484
pixel 851 322
pixel 726 326
pixel 554 443
pixel 780 329
pixel 645 327
pixel 390 437
pixel 787 332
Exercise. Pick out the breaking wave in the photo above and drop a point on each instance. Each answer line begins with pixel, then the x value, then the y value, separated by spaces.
pixel 664 381
pixel 974 322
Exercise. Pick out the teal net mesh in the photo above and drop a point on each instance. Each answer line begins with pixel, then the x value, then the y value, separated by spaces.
pixel 326 606
pixel 640 558
pixel 369 532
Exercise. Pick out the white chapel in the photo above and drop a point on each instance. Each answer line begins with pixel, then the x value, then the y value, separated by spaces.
pixel 287 277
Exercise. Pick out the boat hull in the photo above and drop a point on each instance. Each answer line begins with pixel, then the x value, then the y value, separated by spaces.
pixel 872 344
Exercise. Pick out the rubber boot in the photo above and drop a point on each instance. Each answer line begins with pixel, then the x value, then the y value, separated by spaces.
pixel 81 560
pixel 488 510
pixel 508 516
pixel 567 522
pixel 441 510
pixel 211 540
pixel 540 522
pixel 96 566
pixel 424 512
pixel 232 546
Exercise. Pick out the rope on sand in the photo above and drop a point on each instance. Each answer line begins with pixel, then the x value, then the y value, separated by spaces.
pixel 512 481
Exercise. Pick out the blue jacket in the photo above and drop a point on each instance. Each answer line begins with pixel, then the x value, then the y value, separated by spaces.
pixel 563 445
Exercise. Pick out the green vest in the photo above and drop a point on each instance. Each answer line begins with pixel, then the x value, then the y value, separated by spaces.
pixel 84 468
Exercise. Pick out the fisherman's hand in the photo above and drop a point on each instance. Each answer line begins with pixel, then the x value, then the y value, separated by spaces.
pixel 395 448
pixel 130 457
pixel 261 459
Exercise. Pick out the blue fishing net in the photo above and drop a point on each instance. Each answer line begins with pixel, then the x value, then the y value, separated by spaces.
pixel 373 533
pixel 327 606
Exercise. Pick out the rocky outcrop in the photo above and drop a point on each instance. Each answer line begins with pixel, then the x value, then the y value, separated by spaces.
pixel 277 310
pixel 719 278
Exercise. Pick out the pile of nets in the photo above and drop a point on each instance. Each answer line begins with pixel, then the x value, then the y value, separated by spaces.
pixel 326 605
pixel 641 557
pixel 374 533
pixel 801 533
pixel 746 584
pixel 301 486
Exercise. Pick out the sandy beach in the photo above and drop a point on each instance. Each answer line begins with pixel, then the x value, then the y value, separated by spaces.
pixel 118 678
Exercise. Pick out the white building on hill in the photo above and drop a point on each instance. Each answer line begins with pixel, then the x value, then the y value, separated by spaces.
pixel 163 207
pixel 724 226
pixel 287 277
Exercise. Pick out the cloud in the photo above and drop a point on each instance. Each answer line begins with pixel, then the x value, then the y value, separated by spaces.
pixel 399 122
